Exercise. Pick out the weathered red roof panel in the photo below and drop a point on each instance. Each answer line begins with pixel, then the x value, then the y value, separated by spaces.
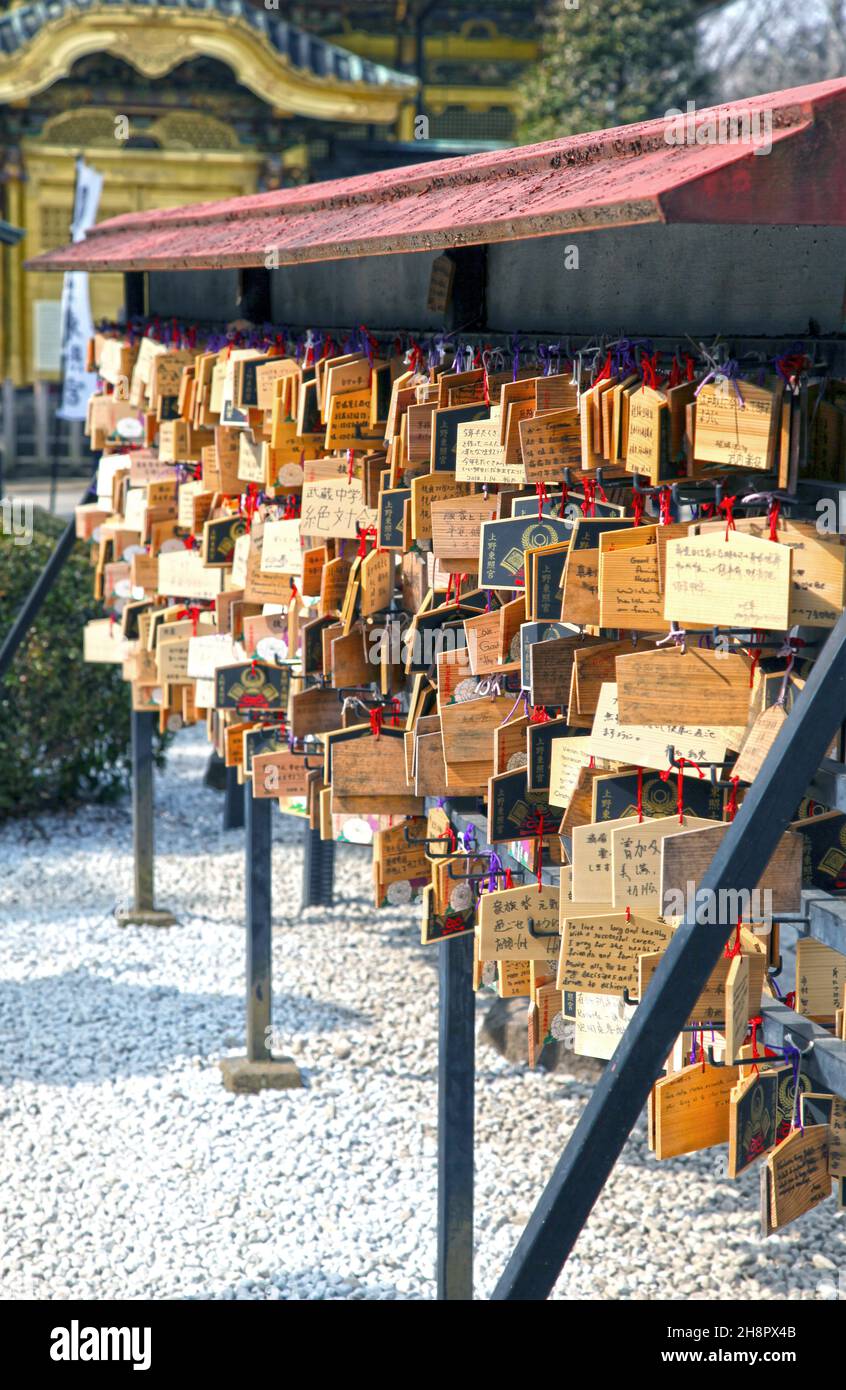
pixel 617 177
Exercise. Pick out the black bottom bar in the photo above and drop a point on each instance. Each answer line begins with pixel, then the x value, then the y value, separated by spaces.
pixel 456 1081
pixel 258 906
pixel 318 869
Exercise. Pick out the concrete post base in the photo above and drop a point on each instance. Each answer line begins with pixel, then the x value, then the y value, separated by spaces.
pixel 245 1077
pixel 145 917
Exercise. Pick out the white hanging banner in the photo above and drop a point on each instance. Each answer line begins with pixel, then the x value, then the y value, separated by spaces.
pixel 77 325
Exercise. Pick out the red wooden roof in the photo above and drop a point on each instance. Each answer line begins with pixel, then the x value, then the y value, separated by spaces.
pixel 607 178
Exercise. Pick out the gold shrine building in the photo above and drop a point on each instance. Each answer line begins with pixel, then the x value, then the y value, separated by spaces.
pixel 179 101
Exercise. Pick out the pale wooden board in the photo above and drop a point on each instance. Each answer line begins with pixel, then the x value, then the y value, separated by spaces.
pixel 368 767
pixel 503 920
pixel 818 576
pixel 456 525
pixel 710 1006
pixel 737 427
pixel 601 1021
pixel 686 856
pixel 798 1174
pixel 738 581
pixel 692 1109
pixel 549 443
pixel 468 729
pixel 635 872
pixel 758 742
pixel 592 861
pixel 820 979
pixel 645 745
pixel 600 951
pixel 629 596
pixel 699 686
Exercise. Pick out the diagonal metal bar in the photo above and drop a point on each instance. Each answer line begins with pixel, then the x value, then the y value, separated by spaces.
pixel 42 586
pixel 619 1097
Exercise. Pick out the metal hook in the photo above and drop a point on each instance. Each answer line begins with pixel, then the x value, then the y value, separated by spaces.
pixel 802 1051
pixel 440 840
pixel 538 935
pixel 477 854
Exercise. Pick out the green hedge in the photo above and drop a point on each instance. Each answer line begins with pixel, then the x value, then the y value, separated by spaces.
pixel 64 725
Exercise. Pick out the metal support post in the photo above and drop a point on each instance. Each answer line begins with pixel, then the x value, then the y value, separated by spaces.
pixel 233 801
pixel 318 869
pixel 456 1087
pixel 259 1070
pixel 258 892
pixel 143 911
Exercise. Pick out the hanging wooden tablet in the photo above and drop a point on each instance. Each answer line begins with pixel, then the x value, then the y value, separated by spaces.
pixel 686 856
pixel 753 1115
pixel 692 1109
pixel 820 980
pixel 744 579
pixel 549 443
pixel 629 595
pixel 736 1006
pixel 646 745
pixel 698 685
pixel 758 742
pixel 540 740
pixel 797 1176
pixel 514 812
pixel 600 1022
pixel 635 867
pixel 519 924
pixel 824 850
pixel 254 685
pixel 600 950
pixel 736 424
pixel 592 862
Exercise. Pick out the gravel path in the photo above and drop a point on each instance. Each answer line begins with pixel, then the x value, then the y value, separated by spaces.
pixel 128 1172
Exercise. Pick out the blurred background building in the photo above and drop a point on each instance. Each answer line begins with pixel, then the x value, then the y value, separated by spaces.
pixel 178 101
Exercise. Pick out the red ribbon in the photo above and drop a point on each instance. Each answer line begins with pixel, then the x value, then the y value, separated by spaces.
pixel 665 777
pixel 362 539
pixel 589 500
pixel 731 804
pixel 773 515
pixel 350 464
pixel 665 497
pixel 605 374
pixel 193 613
pixel 637 507
pixel 376 717
pixel 649 370
pixel 727 508
pixel 734 949
pixel 640 794
pixel 543 496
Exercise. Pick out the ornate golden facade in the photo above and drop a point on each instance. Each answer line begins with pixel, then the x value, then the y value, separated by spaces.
pixel 186 103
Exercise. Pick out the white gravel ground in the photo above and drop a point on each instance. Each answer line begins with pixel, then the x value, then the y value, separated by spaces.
pixel 129 1172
